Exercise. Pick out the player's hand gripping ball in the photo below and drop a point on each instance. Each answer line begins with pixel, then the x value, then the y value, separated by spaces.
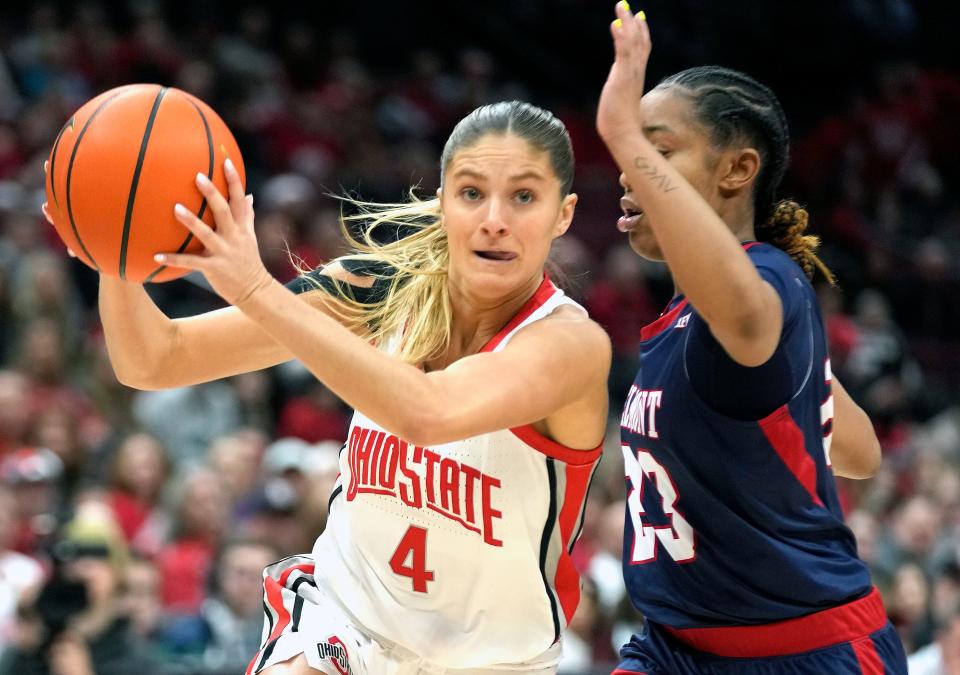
pixel 118 167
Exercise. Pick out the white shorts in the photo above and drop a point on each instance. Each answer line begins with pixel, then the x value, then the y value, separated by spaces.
pixel 303 617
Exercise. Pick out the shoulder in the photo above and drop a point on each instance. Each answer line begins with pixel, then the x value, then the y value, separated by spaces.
pixel 780 270
pixel 569 329
pixel 768 255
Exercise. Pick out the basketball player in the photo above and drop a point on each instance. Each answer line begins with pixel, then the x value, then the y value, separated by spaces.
pixel 735 548
pixel 480 392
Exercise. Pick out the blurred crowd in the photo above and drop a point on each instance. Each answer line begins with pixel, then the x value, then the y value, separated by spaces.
pixel 142 520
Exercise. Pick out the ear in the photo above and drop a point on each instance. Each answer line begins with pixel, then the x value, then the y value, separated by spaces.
pixel 739 168
pixel 567 207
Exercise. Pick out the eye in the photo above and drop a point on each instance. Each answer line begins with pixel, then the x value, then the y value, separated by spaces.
pixel 524 196
pixel 665 152
pixel 471 194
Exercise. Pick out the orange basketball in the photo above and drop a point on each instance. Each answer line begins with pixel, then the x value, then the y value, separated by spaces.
pixel 120 164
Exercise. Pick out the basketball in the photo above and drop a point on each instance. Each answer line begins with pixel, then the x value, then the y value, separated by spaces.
pixel 118 167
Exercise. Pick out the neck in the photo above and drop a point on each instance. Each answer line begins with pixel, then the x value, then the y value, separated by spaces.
pixel 476 321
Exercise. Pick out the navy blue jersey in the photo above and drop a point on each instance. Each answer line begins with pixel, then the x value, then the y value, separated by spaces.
pixel 733 520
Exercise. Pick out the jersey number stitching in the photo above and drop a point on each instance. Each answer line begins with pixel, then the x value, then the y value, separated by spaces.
pixel 678 538
pixel 413 546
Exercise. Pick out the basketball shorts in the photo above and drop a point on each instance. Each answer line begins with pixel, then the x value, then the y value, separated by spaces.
pixel 304 617
pixel 853 639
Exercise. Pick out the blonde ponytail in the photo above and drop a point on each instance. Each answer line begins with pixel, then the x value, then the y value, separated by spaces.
pixel 415 304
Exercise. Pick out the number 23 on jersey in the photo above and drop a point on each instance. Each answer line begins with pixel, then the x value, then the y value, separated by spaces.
pixel 677 538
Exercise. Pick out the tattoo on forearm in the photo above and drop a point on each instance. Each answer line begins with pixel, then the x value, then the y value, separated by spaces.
pixel 651 172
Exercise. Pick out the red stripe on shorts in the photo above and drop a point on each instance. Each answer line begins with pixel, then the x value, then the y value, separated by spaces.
pixel 867 657
pixel 274 593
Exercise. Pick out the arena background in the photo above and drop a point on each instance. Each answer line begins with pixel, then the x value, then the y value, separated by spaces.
pixel 191 491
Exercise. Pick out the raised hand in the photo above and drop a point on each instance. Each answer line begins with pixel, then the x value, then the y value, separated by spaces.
pixel 618 112
pixel 231 260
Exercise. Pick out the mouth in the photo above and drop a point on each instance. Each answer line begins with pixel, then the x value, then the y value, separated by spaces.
pixel 495 255
pixel 632 215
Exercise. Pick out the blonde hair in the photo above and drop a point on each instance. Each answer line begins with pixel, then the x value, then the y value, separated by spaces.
pixel 412 301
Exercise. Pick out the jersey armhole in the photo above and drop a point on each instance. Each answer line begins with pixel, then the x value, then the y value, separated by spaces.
pixel 804 381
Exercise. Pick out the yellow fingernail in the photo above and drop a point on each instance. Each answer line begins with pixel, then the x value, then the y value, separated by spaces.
pixel 626 5
pixel 618 23
pixel 642 15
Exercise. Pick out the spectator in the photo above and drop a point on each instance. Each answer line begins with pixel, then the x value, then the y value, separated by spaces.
pixel 94 637
pixel 226 631
pixel 20 575
pixel 140 471
pixel 202 520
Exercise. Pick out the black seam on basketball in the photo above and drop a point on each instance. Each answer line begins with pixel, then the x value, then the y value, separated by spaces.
pixel 203 203
pixel 53 159
pixel 124 241
pixel 73 157
pixel 545 545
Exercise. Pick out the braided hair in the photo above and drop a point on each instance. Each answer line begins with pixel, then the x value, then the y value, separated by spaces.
pixel 736 108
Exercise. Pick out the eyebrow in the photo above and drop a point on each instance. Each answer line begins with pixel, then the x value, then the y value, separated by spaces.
pixel 654 128
pixel 526 175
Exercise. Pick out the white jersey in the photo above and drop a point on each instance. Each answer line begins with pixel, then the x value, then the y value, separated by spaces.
pixel 460 552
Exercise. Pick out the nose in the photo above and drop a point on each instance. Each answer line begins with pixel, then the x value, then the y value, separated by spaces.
pixel 494 223
pixel 623 182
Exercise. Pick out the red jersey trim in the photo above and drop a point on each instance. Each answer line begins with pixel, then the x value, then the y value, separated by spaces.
pixel 654 329
pixel 543 293
pixel 554 450
pixel 566 581
pixel 846 623
pixel 785 436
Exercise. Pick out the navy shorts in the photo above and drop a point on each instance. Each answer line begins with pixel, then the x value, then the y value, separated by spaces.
pixel 854 639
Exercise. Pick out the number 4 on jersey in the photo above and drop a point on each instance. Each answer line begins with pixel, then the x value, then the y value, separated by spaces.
pixel 678 538
pixel 413 546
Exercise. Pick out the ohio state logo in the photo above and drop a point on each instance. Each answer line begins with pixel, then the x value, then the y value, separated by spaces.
pixel 334 650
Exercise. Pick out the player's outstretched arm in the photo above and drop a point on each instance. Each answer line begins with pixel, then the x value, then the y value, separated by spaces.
pixel 556 365
pixel 150 351
pixel 743 311
pixel 554 370
pixel 855 450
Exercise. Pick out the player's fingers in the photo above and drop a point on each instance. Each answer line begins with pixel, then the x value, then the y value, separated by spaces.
pixel 234 188
pixel 616 31
pixel 46 166
pixel 71 253
pixel 200 229
pixel 217 203
pixel 248 204
pixel 46 212
pixel 643 33
pixel 184 260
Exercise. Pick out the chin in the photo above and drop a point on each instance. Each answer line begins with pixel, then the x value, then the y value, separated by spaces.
pixel 645 244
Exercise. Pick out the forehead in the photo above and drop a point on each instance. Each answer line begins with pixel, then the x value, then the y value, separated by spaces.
pixel 666 109
pixel 501 154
